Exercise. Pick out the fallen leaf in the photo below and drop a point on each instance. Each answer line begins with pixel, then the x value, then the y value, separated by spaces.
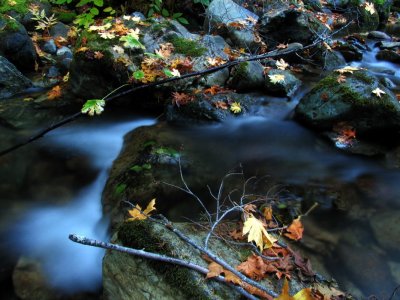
pixel 82 49
pixel 276 78
pixel 326 292
pixel 214 270
pixel 255 267
pixel 268 213
pixel 221 105
pixel 341 78
pixel 215 61
pixel 181 98
pixel 106 35
pixel 369 7
pixel 304 294
pixel 255 230
pixel 54 93
pixel 98 55
pixel 165 50
pixel 295 230
pixel 281 64
pixel 378 92
pixel 282 46
pixel 347 69
pixel 235 108
pixel 93 106
pixel 137 214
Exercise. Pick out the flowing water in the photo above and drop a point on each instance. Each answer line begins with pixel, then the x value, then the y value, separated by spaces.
pixel 352 239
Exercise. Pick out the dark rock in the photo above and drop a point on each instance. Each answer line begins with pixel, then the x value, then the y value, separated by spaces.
pixel 59 29
pixel 388 55
pixel 288 25
pixel 53 72
pixel 388 45
pixel 11 80
pixel 386 230
pixel 337 4
pixel 378 35
pixel 349 51
pixel 64 52
pixel 284 88
pixel 226 12
pixel 247 76
pixel 352 101
pixel 50 47
pixel 65 64
pixel 138 14
pixel 15 44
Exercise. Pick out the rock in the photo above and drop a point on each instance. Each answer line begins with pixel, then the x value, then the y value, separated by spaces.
pixel 388 83
pixel 349 51
pixel 352 101
pixel 378 35
pixel 288 54
pixel 50 47
pixel 288 25
pixel 138 14
pixel 313 4
pixel 330 60
pixel 227 12
pixel 247 76
pixel 388 45
pixel 284 88
pixel 53 72
pixel 11 80
pixel 386 230
pixel 388 55
pixel 59 29
pixel 15 44
pixel 336 4
pixel 64 52
pixel 29 281
pixel 64 64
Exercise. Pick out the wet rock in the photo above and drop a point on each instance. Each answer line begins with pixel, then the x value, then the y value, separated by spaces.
pixel 389 45
pixel 386 230
pixel 388 55
pixel 227 12
pixel 378 35
pixel 336 4
pixel 288 25
pixel 313 4
pixel 59 29
pixel 64 52
pixel 15 44
pixel 349 51
pixel 247 76
pixel 53 72
pixel 30 283
pixel 50 47
pixel 288 54
pixel 352 101
pixel 11 80
pixel 283 88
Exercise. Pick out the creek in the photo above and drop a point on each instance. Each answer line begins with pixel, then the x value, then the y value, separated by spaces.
pixel 349 236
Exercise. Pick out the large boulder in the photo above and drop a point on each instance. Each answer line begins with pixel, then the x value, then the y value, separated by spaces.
pixel 11 80
pixel 353 101
pixel 15 44
pixel 232 21
pixel 285 87
pixel 287 25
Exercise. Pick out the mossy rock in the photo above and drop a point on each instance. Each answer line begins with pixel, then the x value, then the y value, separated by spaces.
pixel 352 101
pixel 283 88
pixel 247 76
pixel 18 6
pixel 187 47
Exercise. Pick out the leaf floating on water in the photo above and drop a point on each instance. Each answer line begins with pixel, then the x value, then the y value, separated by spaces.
pixel 93 106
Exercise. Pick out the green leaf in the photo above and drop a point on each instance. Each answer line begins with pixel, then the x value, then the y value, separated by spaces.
pixel 176 15
pixel 168 73
pixel 183 21
pixel 120 188
pixel 108 9
pixel 146 166
pixel 82 3
pixel 165 12
pixel 151 12
pixel 99 3
pixel 130 42
pixel 136 168
pixel 93 106
pixel 94 11
pixel 138 74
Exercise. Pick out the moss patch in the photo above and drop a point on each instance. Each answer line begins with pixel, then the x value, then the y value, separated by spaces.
pixel 20 6
pixel 65 16
pixel 187 47
pixel 8 24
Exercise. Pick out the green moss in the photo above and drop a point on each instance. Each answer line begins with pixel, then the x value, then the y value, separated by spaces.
pixel 8 23
pixel 20 6
pixel 94 41
pixel 137 234
pixel 187 47
pixel 241 69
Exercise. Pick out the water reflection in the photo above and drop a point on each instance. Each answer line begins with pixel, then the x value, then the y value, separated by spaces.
pixel 43 232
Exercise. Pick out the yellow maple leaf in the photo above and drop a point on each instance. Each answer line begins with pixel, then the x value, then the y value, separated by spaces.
pixel 276 78
pixel 347 69
pixel 137 214
pixel 378 92
pixel 369 7
pixel 281 64
pixel 256 231
pixel 304 294
pixel 236 108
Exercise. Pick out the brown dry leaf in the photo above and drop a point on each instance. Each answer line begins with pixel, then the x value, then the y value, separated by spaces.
pixel 54 93
pixel 282 46
pixel 221 105
pixel 304 294
pixel 238 25
pixel 256 291
pixel 233 54
pixel 341 78
pixel 295 230
pixel 214 270
pixel 82 49
pixel 165 50
pixel 230 277
pixel 324 97
pixel 346 133
pixel 215 61
pixel 303 263
pixel 181 98
pixel 184 65
pixel 119 29
pixel 255 267
pixel 60 41
pixel 98 55
pixel 398 97
pixel 137 214
pixel 267 213
pixel 326 293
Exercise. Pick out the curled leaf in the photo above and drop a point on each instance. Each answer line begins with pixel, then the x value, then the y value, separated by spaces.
pixel 137 214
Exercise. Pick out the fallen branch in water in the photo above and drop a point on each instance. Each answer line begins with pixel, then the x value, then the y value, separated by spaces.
pixel 271 54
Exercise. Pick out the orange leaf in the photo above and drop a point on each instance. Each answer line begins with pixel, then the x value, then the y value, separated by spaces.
pixel 230 277
pixel 54 93
pixel 304 294
pixel 268 213
pixel 98 55
pixel 214 270
pixel 295 230
pixel 341 78
pixel 221 105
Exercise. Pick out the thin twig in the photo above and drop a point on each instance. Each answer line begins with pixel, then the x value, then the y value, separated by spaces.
pixel 159 257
